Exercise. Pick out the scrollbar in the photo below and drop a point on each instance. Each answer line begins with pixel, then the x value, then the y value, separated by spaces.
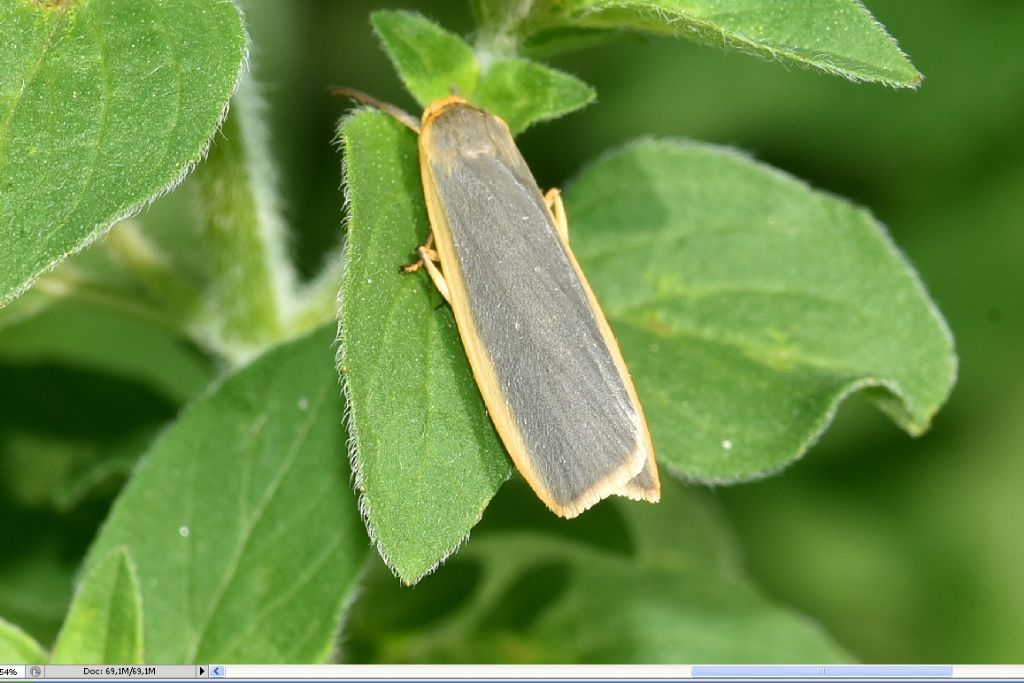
pixel 828 671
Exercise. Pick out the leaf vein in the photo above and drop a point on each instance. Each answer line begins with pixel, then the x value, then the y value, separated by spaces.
pixel 179 73
pixel 33 74
pixel 101 132
pixel 245 536
pixel 282 597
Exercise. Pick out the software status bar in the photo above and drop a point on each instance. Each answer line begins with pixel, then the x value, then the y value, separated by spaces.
pixel 654 672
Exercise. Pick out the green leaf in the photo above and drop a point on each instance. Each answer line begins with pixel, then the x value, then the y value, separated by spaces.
pixel 526 92
pixel 426 456
pixel 432 61
pixel 748 306
pixel 539 594
pixel 241 518
pixel 837 36
pixel 429 59
pixel 103 105
pixel 18 646
pixel 104 623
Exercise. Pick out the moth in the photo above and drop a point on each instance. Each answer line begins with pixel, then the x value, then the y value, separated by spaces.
pixel 547 364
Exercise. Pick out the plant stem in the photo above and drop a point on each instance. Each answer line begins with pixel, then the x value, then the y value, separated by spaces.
pixel 317 300
pixel 253 281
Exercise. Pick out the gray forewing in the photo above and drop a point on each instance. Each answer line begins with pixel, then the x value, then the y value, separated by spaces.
pixel 530 309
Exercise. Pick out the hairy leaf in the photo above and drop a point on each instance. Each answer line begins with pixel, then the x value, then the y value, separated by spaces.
pixel 241 518
pixel 525 92
pixel 425 454
pixel 430 60
pixel 837 36
pixel 433 63
pixel 103 105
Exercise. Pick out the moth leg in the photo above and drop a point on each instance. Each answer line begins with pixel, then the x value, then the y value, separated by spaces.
pixel 428 257
pixel 553 199
pixel 432 255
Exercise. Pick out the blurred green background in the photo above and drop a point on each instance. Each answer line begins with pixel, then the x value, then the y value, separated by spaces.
pixel 906 550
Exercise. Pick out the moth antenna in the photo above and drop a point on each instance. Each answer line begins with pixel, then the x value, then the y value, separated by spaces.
pixel 403 117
